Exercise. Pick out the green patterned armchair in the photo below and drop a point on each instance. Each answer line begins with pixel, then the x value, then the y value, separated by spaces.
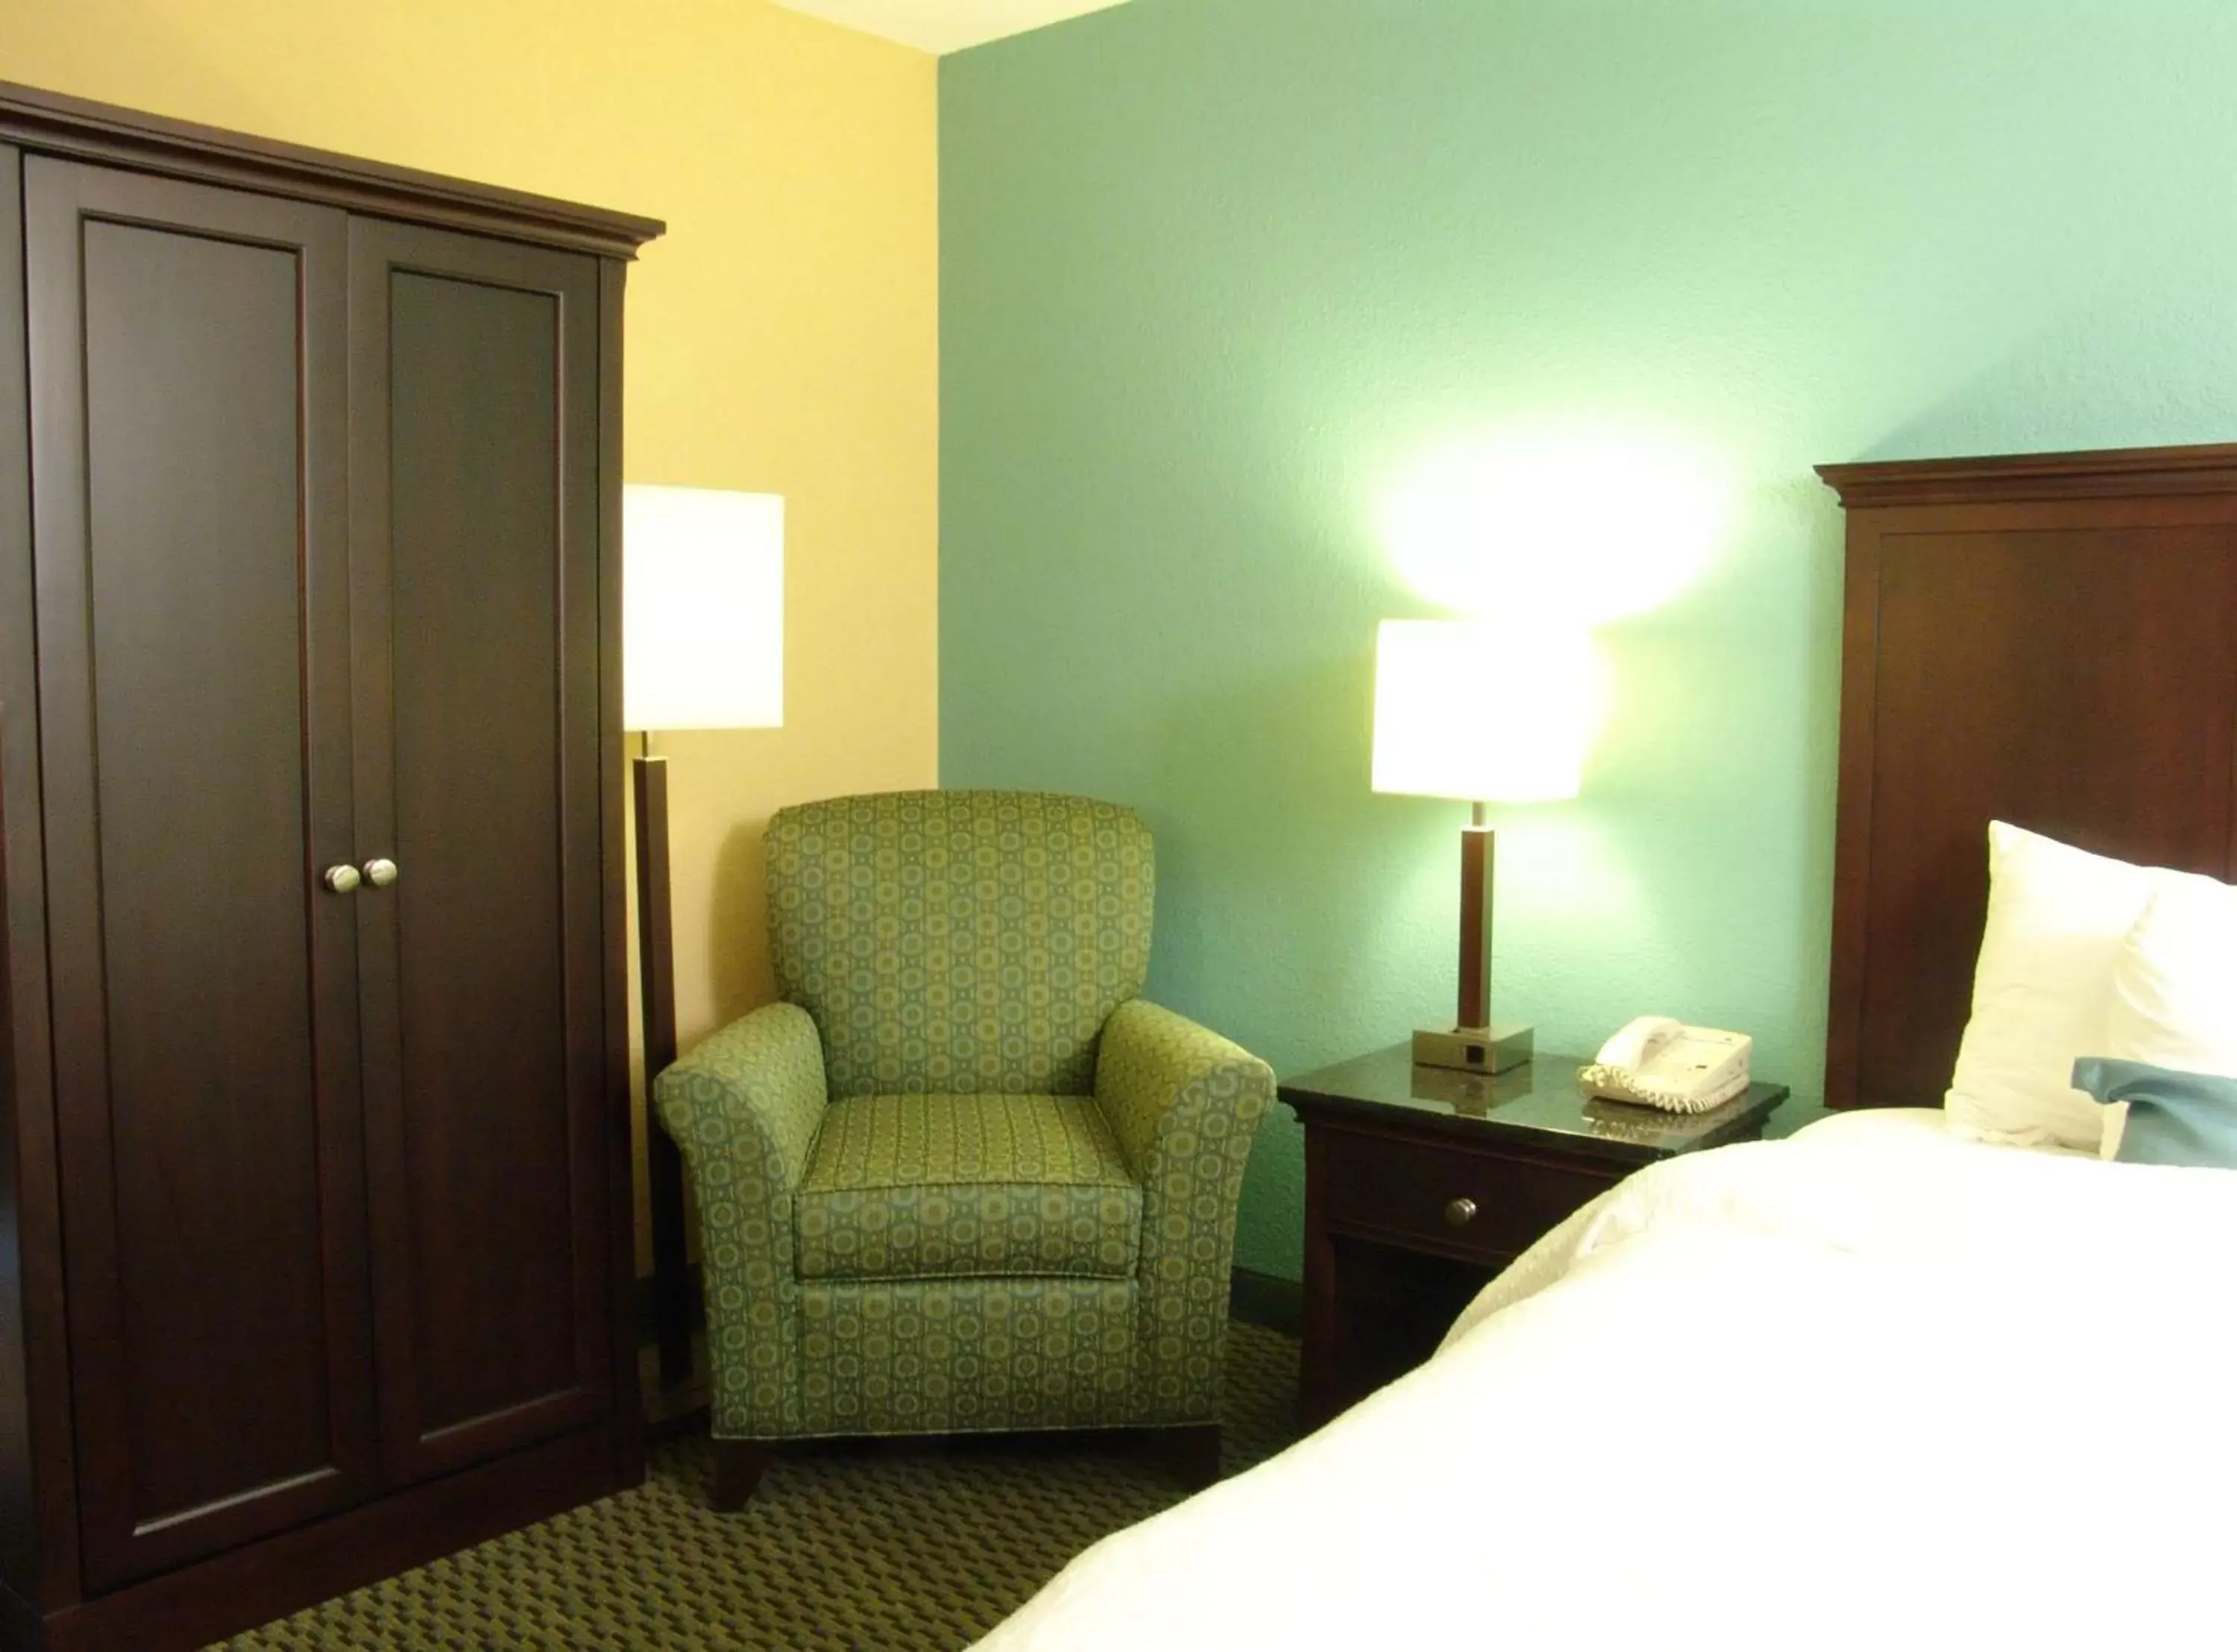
pixel 962 1178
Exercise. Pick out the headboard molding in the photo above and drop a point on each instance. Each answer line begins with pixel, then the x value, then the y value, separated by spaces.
pixel 2048 639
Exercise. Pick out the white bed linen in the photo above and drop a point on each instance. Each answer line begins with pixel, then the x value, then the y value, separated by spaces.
pixel 1871 1387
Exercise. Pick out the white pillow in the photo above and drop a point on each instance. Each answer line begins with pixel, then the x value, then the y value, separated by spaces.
pixel 2057 918
pixel 2172 998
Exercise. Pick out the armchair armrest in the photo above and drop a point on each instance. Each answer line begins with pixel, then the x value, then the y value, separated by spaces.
pixel 756 1090
pixel 1184 1104
pixel 1158 1075
pixel 745 1106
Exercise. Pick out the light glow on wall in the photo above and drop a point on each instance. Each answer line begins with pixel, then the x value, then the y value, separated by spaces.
pixel 1578 525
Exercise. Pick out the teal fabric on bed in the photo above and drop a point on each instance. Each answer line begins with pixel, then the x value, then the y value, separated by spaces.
pixel 2174 1117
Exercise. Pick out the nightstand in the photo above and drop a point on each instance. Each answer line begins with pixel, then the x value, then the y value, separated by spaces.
pixel 1422 1182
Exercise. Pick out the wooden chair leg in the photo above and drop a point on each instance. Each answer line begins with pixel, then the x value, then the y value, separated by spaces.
pixel 1193 1451
pixel 739 1465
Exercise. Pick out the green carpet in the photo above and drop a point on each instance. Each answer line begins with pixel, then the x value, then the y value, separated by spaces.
pixel 888 1546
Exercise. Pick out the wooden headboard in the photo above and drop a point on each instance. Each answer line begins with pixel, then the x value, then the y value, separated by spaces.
pixel 2049 640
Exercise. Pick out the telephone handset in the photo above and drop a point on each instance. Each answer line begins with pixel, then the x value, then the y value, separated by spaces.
pixel 1668 1064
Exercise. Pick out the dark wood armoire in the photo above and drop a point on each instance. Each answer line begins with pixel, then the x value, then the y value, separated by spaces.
pixel 314 1207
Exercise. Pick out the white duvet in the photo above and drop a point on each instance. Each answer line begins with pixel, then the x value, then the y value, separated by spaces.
pixel 1869 1387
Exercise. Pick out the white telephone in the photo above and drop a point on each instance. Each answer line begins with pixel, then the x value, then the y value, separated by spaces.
pixel 1668 1064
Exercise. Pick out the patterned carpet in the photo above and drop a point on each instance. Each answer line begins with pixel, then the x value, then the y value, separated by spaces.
pixel 881 1546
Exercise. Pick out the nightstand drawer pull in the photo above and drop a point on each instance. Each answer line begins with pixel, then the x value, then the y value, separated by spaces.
pixel 1460 1213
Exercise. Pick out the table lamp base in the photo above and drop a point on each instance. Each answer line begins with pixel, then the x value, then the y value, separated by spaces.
pixel 1475 1049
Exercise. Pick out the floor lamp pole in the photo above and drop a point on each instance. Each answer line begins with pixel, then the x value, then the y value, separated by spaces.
pixel 672 1283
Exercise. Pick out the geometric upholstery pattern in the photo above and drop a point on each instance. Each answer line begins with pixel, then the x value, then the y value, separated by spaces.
pixel 947 1186
pixel 963 1178
pixel 966 1356
pixel 952 943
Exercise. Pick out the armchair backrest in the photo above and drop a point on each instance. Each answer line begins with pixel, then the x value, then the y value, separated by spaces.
pixel 952 943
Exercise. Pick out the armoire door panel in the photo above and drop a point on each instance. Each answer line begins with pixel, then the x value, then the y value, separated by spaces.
pixel 475 528
pixel 189 419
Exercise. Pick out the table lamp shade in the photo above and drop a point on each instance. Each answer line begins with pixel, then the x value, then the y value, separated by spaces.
pixel 1485 713
pixel 703 608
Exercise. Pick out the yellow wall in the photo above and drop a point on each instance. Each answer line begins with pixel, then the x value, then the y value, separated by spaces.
pixel 782 338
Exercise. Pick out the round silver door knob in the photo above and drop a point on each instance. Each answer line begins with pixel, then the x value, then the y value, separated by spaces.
pixel 340 879
pixel 381 873
pixel 1460 1213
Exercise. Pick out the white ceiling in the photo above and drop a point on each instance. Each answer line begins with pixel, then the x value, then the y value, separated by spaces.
pixel 946 25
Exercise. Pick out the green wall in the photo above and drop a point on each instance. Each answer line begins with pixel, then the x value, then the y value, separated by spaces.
pixel 1218 276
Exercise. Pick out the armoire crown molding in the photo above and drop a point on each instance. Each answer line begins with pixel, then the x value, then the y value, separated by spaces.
pixel 53 124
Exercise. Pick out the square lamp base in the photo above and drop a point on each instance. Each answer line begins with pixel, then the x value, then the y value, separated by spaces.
pixel 1475 1049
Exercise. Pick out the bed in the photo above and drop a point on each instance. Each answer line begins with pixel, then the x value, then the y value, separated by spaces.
pixel 1879 1383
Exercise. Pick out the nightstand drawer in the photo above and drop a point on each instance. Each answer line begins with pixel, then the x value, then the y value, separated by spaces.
pixel 1439 1197
pixel 1390 1148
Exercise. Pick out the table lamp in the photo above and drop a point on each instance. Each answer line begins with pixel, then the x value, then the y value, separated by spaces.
pixel 703 647
pixel 1486 714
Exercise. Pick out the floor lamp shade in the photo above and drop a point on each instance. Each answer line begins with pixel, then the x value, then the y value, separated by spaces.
pixel 703 608
pixel 702 641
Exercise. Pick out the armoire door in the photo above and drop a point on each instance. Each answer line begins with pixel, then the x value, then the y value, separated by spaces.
pixel 188 377
pixel 474 528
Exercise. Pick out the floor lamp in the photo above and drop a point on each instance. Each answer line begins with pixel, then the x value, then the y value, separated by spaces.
pixel 702 639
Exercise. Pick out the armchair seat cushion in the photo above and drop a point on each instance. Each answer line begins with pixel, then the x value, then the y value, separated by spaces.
pixel 957 1187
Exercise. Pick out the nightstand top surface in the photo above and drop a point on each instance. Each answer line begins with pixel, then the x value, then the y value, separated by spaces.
pixel 1539 1099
